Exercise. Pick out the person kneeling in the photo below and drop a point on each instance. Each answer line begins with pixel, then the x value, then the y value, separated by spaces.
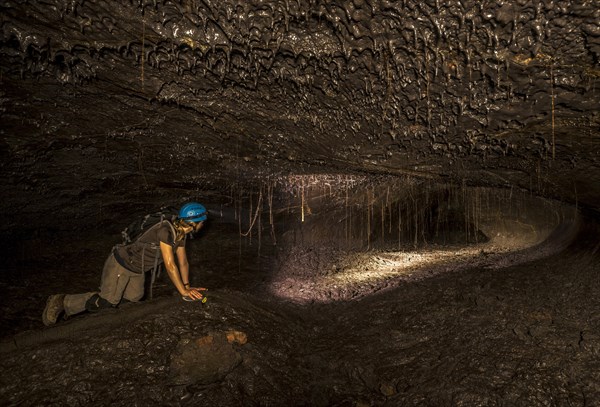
pixel 123 274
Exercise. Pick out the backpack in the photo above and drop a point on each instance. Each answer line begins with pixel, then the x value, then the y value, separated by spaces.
pixel 140 226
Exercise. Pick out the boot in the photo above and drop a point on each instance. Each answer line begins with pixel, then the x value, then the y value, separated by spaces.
pixel 54 307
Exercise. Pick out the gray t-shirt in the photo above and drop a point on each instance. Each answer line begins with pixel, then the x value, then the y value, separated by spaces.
pixel 140 256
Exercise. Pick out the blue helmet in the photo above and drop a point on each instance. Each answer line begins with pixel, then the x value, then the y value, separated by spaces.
pixel 193 212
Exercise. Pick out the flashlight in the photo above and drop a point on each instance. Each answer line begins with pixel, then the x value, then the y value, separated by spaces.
pixel 190 299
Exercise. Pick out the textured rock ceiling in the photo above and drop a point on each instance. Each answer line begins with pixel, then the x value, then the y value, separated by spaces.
pixel 104 99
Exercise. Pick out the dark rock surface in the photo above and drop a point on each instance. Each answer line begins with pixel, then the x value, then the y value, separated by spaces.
pixel 524 335
pixel 404 199
pixel 205 360
pixel 107 101
pixel 509 321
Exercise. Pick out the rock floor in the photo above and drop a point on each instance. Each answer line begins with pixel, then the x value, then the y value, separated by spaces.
pixel 524 335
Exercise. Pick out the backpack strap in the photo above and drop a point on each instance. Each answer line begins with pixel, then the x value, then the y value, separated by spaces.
pixel 155 272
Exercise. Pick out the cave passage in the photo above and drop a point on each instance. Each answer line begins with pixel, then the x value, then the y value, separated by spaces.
pixel 404 200
pixel 336 306
pixel 340 237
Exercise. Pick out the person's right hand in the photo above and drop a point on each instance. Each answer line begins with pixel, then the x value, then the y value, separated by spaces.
pixel 193 293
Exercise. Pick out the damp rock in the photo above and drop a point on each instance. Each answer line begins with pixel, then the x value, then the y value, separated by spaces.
pixel 387 389
pixel 207 359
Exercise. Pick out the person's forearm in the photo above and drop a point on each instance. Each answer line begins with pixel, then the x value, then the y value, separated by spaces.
pixel 184 269
pixel 176 279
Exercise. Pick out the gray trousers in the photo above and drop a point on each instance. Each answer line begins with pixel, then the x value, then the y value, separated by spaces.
pixel 116 283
